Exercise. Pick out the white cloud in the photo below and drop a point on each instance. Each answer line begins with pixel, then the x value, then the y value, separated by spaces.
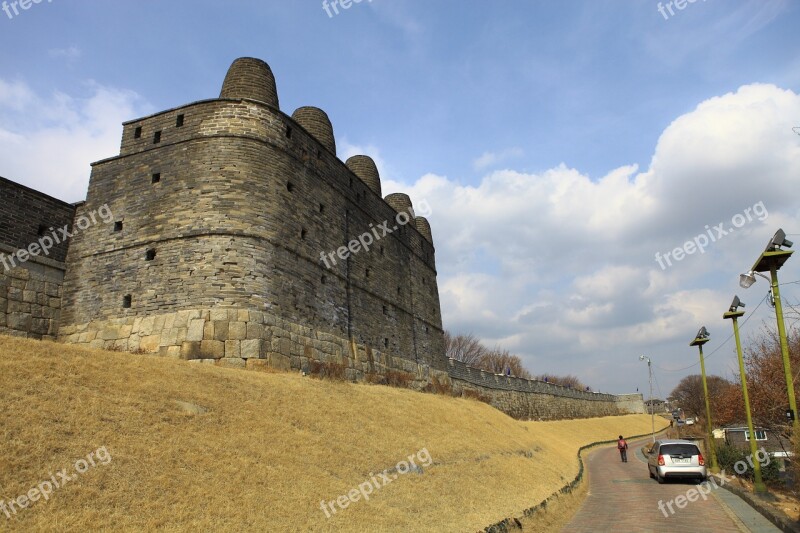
pixel 48 142
pixel 563 267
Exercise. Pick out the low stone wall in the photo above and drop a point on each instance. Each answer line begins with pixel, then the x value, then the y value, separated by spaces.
pixel 30 298
pixel 528 399
pixel 240 338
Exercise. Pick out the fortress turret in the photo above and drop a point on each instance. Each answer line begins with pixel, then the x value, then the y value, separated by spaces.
pixel 250 78
pixel 401 203
pixel 424 228
pixel 316 122
pixel 364 167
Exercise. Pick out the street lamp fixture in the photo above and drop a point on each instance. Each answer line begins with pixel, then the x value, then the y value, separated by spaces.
pixel 772 259
pixel 699 340
pixel 733 314
pixel 652 406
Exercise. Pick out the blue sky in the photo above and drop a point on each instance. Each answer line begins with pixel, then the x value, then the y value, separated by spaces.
pixel 560 144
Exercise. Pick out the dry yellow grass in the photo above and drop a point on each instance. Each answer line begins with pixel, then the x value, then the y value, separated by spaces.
pixel 268 449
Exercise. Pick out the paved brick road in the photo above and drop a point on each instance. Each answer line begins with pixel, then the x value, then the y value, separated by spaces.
pixel 622 497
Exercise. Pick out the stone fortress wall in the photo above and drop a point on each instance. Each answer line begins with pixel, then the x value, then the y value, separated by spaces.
pixel 228 215
pixel 30 282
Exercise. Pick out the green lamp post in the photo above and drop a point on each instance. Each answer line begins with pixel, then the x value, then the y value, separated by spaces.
pixel 734 314
pixel 700 339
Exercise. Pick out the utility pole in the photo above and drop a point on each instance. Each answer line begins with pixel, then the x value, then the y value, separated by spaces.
pixel 652 407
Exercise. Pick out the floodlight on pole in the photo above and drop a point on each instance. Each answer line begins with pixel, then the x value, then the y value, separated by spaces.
pixel 772 259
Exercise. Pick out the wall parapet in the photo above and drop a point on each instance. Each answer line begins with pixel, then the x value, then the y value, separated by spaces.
pixel 476 376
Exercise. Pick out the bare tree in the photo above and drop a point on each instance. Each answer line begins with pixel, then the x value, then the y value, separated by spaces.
pixel 466 348
pixel 565 381
pixel 499 361
pixel 688 395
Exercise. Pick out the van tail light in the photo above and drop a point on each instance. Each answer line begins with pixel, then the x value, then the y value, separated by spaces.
pixel 661 460
pixel 700 458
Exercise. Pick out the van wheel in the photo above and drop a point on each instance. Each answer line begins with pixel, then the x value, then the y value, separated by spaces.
pixel 650 472
pixel 660 479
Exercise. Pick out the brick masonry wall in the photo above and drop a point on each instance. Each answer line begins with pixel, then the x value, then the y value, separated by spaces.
pixel 26 214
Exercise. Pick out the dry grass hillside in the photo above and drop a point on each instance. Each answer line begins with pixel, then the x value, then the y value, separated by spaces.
pixel 179 446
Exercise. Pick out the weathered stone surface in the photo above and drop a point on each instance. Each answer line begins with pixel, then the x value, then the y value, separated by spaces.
pixel 252 349
pixel 211 349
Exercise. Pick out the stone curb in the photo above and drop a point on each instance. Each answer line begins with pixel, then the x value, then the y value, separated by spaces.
pixel 778 518
pixel 509 524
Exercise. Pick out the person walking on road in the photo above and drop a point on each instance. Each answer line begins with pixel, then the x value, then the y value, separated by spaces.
pixel 622 446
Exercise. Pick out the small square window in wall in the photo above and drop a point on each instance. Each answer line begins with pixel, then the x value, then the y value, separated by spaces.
pixel 385 343
pixel 290 186
pixel 303 233
pixel 127 301
pixel 117 226
pixel 137 133
pixel 288 132
pixel 179 121
pixel 367 273
pixel 385 311
pixel 321 208
pixel 157 137
pixel 156 177
pixel 41 230
pixel 150 254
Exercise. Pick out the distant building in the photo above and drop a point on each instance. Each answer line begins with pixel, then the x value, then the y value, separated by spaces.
pixel 659 406
pixel 774 443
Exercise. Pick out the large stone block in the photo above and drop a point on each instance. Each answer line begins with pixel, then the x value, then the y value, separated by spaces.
pixel 195 332
pixel 237 330
pixel 279 361
pixel 150 343
pixel 191 350
pixel 233 349
pixel 221 328
pixel 252 349
pixel 212 349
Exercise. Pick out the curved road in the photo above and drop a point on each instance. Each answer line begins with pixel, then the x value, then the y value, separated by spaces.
pixel 622 497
